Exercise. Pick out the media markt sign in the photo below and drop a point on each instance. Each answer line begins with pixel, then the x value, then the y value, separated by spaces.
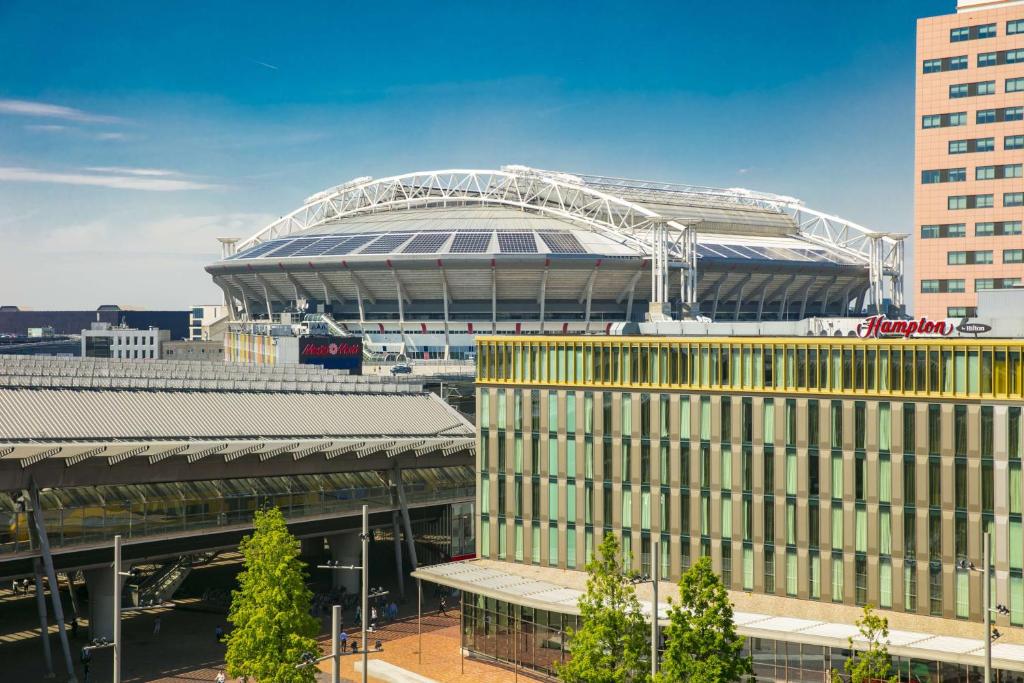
pixel 879 326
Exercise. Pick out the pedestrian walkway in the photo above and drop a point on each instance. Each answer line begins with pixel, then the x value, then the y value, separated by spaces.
pixel 440 659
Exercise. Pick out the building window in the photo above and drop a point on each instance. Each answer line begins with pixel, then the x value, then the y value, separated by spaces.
pixel 959 90
pixel 997 172
pixel 961 311
pixel 999 115
pixel 1014 27
pixel 944 120
pixel 974 145
pixel 1015 84
pixel 960 258
pixel 1013 255
pixel 1013 198
pixel 958 35
pixel 969 201
pixel 945 175
pixel 943 230
pixel 958 63
pixel 1013 142
pixel 997 228
pixel 939 286
pixel 981 284
pixel 998 58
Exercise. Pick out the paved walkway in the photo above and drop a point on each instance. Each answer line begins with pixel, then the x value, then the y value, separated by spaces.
pixel 441 660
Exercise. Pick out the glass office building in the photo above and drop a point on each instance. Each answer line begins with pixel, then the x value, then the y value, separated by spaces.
pixel 841 471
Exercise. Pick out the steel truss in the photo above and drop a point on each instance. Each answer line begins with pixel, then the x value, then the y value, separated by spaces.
pixel 610 206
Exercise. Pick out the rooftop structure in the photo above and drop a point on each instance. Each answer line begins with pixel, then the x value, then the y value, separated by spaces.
pixel 60 418
pixel 428 259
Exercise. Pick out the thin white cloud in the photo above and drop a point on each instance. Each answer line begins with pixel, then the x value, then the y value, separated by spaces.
pixel 123 170
pixel 111 136
pixel 265 65
pixel 45 127
pixel 52 111
pixel 118 182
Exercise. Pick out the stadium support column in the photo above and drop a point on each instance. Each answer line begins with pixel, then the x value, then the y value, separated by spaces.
pixel 494 297
pixel 445 299
pixel 346 549
pixel 658 308
pixel 542 296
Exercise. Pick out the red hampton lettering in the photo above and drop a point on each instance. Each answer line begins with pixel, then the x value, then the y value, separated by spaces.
pixel 880 326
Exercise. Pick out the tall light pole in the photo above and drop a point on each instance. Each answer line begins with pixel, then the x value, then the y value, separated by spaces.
pixel 117 609
pixel 655 569
pixel 363 598
pixel 987 610
pixel 365 536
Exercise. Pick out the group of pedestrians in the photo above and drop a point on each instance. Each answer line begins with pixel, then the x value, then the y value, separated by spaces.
pixel 19 587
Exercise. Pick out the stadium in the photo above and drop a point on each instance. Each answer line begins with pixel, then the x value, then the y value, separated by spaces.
pixel 421 262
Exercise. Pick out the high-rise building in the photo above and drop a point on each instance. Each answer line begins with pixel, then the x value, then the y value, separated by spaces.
pixel 969 190
pixel 819 474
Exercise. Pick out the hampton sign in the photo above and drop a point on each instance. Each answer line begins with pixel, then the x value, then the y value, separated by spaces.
pixel 880 326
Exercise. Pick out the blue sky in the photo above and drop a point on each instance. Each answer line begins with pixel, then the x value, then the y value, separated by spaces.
pixel 133 134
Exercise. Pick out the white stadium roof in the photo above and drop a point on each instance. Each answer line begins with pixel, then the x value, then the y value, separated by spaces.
pixel 527 219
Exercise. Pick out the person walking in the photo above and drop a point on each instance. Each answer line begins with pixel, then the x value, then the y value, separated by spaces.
pixel 14 586
pixel 86 658
pixel 220 677
pixel 343 640
pixel 373 618
pixel 156 626
pixel 442 606
pixel 218 633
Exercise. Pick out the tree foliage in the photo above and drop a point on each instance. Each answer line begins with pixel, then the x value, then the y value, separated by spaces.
pixel 870 664
pixel 702 645
pixel 270 609
pixel 611 645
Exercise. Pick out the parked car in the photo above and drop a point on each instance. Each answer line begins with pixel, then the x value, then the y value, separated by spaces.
pixel 401 369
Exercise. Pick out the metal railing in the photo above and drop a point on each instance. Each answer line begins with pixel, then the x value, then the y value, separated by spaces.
pixel 73 526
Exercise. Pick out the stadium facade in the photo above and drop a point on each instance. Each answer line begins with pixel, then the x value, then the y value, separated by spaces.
pixel 421 262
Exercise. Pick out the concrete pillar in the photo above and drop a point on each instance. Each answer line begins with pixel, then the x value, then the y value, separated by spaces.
pixel 100 584
pixel 346 548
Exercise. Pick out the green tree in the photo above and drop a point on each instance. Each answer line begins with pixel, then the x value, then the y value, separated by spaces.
pixel 270 609
pixel 702 645
pixel 611 645
pixel 872 663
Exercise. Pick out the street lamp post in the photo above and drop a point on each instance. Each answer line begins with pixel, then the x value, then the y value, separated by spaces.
pixel 655 561
pixel 653 580
pixel 987 610
pixel 364 597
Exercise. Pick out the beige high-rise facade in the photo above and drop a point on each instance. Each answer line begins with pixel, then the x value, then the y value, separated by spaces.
pixel 969 189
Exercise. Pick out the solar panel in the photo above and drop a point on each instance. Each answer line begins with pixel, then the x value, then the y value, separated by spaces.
pixel 562 243
pixel 704 251
pixel 426 243
pixel 320 246
pixel 517 243
pixel 259 249
pixel 291 248
pixel 386 244
pixel 349 245
pixel 731 251
pixel 470 242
